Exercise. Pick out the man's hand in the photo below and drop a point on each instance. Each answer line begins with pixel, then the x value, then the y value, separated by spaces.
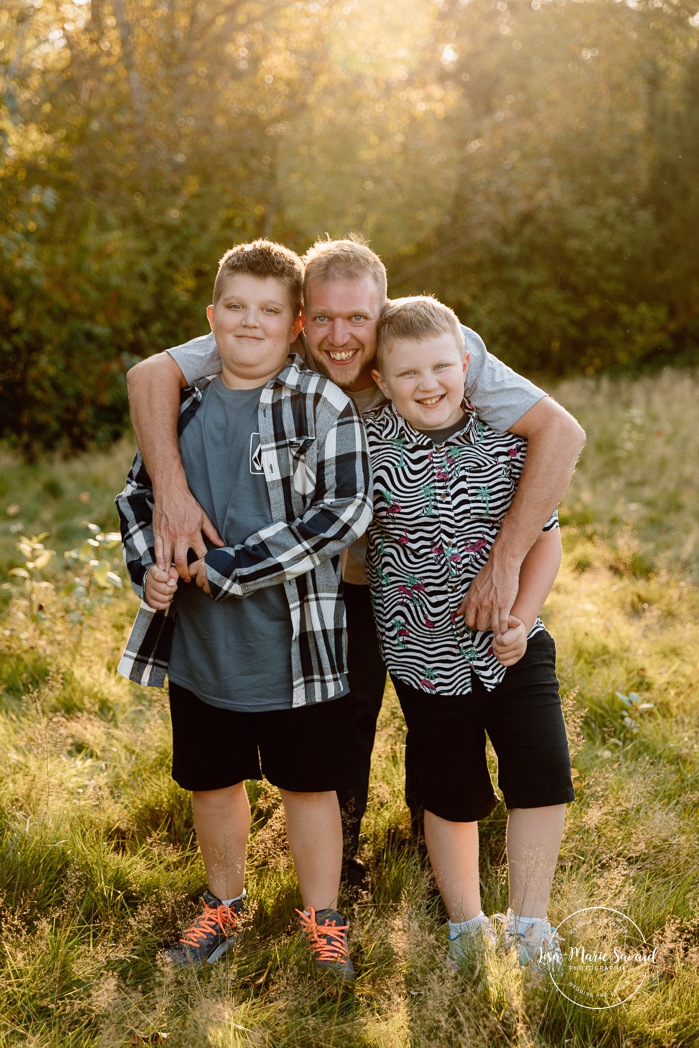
pixel 180 524
pixel 554 440
pixel 490 597
pixel 160 587
pixel 510 646
pixel 198 573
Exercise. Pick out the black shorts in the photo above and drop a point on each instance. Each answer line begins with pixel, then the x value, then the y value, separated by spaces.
pixel 308 749
pixel 523 718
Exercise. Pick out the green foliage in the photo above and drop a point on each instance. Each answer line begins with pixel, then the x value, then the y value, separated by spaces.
pixel 534 164
pixel 95 571
pixel 635 485
pixel 36 558
pixel 552 249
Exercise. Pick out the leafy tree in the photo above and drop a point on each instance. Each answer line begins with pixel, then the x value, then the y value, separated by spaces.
pixel 136 139
pixel 551 244
pixel 673 194
pixel 534 163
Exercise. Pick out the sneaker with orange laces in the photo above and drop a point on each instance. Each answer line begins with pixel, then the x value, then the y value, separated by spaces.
pixel 326 933
pixel 209 936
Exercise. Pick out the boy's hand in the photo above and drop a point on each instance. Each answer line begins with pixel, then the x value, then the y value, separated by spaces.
pixel 510 646
pixel 197 570
pixel 161 587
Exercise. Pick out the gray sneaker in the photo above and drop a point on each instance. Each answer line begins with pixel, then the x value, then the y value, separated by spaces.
pixel 209 936
pixel 326 933
pixel 538 945
pixel 468 947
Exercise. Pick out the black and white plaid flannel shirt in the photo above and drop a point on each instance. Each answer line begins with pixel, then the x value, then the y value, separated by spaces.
pixel 316 463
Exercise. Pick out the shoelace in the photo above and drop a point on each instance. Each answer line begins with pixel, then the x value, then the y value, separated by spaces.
pixel 206 923
pixel 326 940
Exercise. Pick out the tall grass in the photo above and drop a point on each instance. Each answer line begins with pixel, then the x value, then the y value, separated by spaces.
pixel 98 863
pixel 637 480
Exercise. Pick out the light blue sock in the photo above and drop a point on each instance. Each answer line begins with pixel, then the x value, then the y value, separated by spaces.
pixel 523 924
pixel 457 928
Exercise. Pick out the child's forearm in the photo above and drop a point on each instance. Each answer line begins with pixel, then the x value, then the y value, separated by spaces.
pixel 138 557
pixel 537 575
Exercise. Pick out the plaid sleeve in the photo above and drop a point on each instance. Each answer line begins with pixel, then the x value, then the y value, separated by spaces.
pixel 339 514
pixel 135 507
pixel 146 655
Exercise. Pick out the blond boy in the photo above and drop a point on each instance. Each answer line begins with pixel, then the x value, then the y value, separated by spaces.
pixel 443 483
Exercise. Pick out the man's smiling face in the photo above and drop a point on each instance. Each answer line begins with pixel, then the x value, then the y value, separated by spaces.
pixel 340 325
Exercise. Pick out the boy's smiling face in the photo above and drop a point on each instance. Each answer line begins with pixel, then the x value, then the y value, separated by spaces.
pixel 254 326
pixel 425 380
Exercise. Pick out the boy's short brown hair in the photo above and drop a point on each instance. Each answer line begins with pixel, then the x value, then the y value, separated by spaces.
pixel 349 259
pixel 415 318
pixel 264 258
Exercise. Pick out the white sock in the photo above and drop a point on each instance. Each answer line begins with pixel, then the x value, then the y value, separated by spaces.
pixel 523 924
pixel 238 898
pixel 457 928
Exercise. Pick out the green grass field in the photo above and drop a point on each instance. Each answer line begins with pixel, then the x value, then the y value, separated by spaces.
pixel 99 868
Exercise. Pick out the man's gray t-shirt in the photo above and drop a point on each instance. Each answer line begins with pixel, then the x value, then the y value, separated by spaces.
pixel 499 394
pixel 232 653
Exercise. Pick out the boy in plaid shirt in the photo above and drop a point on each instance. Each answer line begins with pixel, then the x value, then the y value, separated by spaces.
pixel 254 646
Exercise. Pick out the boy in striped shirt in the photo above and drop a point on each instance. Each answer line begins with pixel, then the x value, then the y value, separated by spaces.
pixel 443 482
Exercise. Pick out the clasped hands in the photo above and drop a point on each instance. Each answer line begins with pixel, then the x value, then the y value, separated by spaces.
pixel 510 646
pixel 488 604
pixel 161 586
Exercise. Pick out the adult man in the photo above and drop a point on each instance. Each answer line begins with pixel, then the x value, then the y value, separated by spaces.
pixel 345 288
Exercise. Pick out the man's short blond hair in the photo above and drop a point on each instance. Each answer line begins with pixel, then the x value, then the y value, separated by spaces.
pixel 413 319
pixel 351 259
pixel 263 258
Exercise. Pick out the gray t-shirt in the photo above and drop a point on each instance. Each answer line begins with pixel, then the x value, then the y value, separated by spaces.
pixel 232 653
pixel 499 394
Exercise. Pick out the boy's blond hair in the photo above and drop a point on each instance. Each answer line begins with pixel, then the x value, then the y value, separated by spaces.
pixel 413 319
pixel 350 259
pixel 264 258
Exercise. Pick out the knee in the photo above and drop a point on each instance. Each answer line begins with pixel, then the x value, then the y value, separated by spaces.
pixel 320 799
pixel 217 798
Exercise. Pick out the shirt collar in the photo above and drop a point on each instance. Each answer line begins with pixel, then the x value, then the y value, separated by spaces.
pixel 290 373
pixel 288 376
pixel 466 435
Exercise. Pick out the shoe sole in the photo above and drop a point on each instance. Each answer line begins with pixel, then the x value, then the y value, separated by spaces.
pixel 345 975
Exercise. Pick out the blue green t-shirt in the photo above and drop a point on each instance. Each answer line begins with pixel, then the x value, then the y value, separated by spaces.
pixel 232 653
